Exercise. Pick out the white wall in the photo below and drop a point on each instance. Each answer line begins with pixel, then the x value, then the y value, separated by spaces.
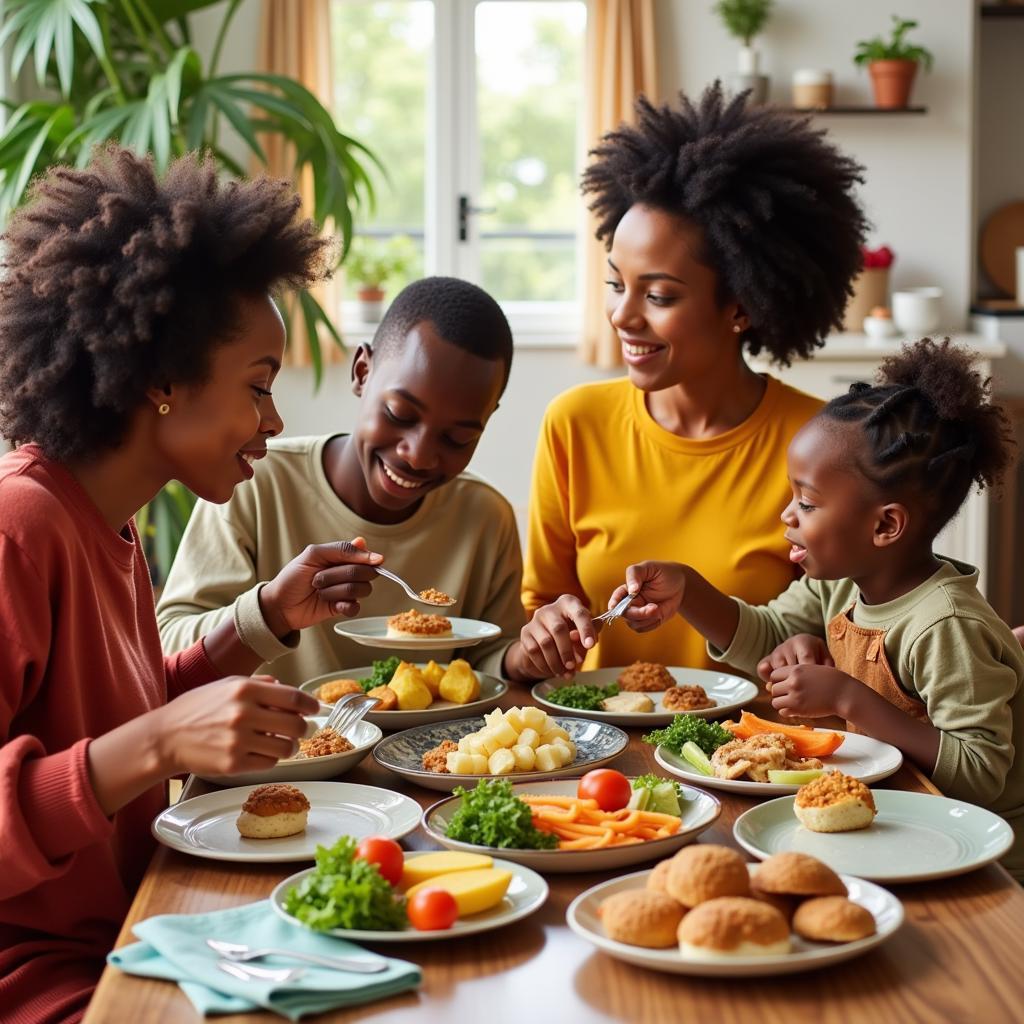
pixel 918 192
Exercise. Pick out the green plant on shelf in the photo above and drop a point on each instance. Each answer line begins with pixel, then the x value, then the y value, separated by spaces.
pixel 895 48
pixel 372 262
pixel 744 19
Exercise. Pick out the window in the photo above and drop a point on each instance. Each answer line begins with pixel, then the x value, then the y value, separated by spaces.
pixel 474 107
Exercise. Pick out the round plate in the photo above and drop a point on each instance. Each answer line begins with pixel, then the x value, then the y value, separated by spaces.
pixel 860 756
pixel 309 769
pixel 1002 233
pixel 373 632
pixel 729 693
pixel 526 893
pixel 699 813
pixel 492 690
pixel 804 956
pixel 205 825
pixel 597 743
pixel 916 836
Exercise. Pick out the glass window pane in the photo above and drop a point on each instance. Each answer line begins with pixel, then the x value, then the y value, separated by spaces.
pixel 381 56
pixel 529 63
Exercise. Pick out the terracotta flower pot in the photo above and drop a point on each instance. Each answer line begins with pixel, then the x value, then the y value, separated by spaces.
pixel 892 81
pixel 371 304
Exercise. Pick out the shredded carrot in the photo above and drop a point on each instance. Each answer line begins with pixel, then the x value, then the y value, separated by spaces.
pixel 581 825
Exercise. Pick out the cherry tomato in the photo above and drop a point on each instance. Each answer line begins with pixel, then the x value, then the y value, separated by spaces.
pixel 611 789
pixel 432 910
pixel 386 854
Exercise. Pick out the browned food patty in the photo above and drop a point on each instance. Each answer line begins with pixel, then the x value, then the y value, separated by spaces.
pixel 796 874
pixel 734 924
pixel 334 689
pixel 323 743
pixel 436 760
pixel 275 798
pixel 645 676
pixel 419 624
pixel 701 872
pixel 386 697
pixel 833 919
pixel 641 917
pixel 686 698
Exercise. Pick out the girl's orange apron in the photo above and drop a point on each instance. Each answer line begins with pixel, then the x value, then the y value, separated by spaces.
pixel 860 653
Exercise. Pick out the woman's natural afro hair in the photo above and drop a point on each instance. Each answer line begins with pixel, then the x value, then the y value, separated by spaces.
pixel 774 200
pixel 115 282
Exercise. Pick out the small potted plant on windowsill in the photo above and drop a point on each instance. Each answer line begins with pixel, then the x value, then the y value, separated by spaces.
pixel 371 263
pixel 892 64
pixel 745 19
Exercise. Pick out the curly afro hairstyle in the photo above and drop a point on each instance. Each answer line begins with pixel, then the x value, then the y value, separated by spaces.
pixel 115 282
pixel 931 428
pixel 774 200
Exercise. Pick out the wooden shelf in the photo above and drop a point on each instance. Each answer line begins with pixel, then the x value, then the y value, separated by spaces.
pixel 1002 10
pixel 856 110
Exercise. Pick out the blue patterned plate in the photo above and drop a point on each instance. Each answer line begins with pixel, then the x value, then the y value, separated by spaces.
pixel 597 743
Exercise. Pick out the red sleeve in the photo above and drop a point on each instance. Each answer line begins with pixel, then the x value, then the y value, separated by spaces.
pixel 188 669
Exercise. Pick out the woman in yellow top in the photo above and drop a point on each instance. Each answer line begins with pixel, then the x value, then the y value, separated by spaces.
pixel 731 229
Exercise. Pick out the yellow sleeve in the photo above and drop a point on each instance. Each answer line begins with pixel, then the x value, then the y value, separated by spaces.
pixel 550 568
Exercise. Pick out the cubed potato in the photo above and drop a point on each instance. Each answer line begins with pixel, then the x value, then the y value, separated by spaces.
pixel 547 759
pixel 465 744
pixel 505 734
pixel 432 674
pixel 459 684
pixel 530 737
pixel 459 764
pixel 561 753
pixel 552 733
pixel 410 688
pixel 514 717
pixel 489 743
pixel 476 744
pixel 525 757
pixel 479 764
pixel 535 718
pixel 501 762
pixel 566 745
pixel 494 717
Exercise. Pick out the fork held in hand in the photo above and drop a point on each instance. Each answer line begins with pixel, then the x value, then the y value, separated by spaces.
pixel 412 593
pixel 348 710
pixel 617 612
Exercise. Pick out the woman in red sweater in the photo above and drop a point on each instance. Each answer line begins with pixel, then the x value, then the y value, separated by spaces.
pixel 138 344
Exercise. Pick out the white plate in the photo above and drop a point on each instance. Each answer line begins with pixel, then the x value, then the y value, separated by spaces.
pixel 205 825
pixel 916 836
pixel 860 756
pixel 492 690
pixel 309 769
pixel 699 813
pixel 804 956
pixel 373 632
pixel 597 743
pixel 526 893
pixel 729 693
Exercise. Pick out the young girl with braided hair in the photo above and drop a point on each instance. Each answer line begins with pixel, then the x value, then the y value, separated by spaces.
pixel 881 630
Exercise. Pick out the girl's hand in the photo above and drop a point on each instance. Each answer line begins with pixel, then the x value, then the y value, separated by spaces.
pixel 813 691
pixel 659 588
pixel 325 581
pixel 802 649
pixel 234 725
pixel 554 642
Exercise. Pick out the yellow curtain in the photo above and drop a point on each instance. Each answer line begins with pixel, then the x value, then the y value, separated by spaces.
pixel 621 64
pixel 295 40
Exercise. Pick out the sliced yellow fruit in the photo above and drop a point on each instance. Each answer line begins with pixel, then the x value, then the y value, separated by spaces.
pixel 430 865
pixel 474 891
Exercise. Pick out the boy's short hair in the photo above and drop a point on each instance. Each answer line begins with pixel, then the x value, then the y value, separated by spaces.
pixel 461 312
pixel 115 282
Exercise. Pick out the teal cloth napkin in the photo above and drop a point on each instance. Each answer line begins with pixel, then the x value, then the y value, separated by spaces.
pixel 173 947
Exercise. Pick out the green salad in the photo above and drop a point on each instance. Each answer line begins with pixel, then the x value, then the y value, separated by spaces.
pixel 381 674
pixel 709 736
pixel 583 698
pixel 345 892
pixel 653 793
pixel 491 815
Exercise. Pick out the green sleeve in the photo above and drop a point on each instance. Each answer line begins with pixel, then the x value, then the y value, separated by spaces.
pixel 800 608
pixel 213 578
pixel 957 669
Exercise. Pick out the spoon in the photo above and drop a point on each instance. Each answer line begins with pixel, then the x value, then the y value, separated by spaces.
pixel 413 594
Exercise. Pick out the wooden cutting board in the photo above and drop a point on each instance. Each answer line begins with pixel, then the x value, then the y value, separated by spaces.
pixel 1002 233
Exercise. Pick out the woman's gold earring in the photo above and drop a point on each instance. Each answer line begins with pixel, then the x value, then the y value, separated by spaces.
pixel 163 408
pixel 736 329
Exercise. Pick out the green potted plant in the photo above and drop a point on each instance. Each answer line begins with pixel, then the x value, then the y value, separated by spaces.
pixel 373 262
pixel 745 20
pixel 892 64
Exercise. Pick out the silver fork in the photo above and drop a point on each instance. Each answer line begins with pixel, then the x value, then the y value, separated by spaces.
pixel 617 612
pixel 240 953
pixel 412 593
pixel 249 973
pixel 348 710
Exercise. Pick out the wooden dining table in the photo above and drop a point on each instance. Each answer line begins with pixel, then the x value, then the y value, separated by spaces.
pixel 956 958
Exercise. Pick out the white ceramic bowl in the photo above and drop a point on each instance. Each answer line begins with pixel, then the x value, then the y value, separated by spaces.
pixel 917 310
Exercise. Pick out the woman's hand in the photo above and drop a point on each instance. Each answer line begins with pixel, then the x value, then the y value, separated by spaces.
pixel 234 725
pixel 658 587
pixel 814 691
pixel 325 581
pixel 802 649
pixel 554 642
